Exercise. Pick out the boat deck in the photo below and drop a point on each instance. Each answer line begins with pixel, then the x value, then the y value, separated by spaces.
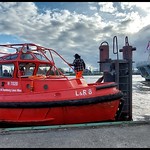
pixel 129 134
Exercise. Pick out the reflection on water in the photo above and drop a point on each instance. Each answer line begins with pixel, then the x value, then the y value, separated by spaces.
pixel 140 96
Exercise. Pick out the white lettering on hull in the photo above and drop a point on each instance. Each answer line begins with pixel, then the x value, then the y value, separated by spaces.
pixel 10 90
pixel 83 92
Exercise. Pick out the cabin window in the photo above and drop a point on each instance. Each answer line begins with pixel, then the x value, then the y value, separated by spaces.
pixel 40 57
pixel 44 69
pixel 11 57
pixel 26 69
pixel 27 57
pixel 6 70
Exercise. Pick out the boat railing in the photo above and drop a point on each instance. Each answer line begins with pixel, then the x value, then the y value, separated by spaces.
pixel 23 48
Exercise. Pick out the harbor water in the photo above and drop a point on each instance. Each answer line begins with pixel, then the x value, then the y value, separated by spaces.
pixel 140 96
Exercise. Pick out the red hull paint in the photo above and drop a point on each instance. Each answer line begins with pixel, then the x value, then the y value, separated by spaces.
pixel 61 115
pixel 92 103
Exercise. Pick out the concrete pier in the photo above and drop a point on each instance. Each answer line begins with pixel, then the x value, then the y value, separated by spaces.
pixel 130 134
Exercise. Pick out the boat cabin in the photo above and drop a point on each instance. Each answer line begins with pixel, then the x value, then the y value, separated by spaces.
pixel 26 62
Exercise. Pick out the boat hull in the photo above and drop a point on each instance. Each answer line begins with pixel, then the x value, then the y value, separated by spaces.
pixel 60 115
pixel 95 109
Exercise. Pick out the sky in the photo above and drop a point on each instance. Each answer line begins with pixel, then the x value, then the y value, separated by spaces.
pixel 77 27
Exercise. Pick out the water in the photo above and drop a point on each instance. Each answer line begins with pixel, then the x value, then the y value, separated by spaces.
pixel 140 96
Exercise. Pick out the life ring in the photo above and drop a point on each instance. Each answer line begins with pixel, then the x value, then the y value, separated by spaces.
pixel 37 77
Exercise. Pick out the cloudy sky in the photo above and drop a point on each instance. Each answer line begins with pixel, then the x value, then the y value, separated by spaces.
pixel 77 27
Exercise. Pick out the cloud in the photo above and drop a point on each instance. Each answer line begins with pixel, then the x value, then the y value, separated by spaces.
pixel 71 32
pixel 107 7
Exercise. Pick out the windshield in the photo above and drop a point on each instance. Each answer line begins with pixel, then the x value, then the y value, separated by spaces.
pixel 45 69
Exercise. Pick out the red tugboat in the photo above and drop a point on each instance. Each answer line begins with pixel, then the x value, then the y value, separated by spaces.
pixel 33 91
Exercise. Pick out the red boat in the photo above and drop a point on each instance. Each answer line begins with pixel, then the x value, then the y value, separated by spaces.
pixel 35 92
